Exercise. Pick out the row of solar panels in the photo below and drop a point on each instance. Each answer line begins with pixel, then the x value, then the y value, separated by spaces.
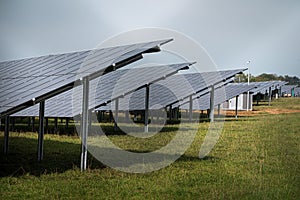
pixel 201 99
pixel 119 84
pixel 29 81
pixel 24 83
pixel 290 90
pixel 67 85
pixel 297 91
pixel 263 87
pixel 162 94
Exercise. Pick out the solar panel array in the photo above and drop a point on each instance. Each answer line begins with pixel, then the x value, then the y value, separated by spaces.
pixel 24 82
pixel 28 81
pixel 287 89
pixel 222 94
pixel 204 92
pixel 263 87
pixel 104 89
pixel 65 85
pixel 174 89
pixel 297 91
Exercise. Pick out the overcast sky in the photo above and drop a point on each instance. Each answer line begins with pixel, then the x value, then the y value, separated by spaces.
pixel 267 32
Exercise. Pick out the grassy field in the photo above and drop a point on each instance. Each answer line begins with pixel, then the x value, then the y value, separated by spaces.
pixel 256 157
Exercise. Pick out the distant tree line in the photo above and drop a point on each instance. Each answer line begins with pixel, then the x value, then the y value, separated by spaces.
pixel 292 80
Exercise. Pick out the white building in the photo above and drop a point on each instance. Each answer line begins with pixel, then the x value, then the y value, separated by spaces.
pixel 242 103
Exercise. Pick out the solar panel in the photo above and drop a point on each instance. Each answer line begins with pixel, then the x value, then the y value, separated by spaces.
pixel 297 91
pixel 202 102
pixel 104 89
pixel 28 81
pixel 286 89
pixel 174 89
pixel 207 90
pixel 263 87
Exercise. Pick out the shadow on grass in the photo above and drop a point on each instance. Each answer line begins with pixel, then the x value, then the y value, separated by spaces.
pixel 60 157
pixel 109 129
pixel 184 157
pixel 240 118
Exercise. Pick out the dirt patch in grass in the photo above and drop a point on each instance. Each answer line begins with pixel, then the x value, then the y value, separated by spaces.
pixel 273 111
pixel 279 111
pixel 243 113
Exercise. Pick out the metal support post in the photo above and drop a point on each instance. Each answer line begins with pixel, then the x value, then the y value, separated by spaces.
pixel 55 125
pixel 270 96
pixel 110 116
pixel 99 116
pixel 212 100
pixel 84 123
pixel 29 122
pixel 279 91
pixel 170 112
pixel 176 113
pixel 116 114
pixel 247 103
pixel 236 106
pixel 248 93
pixel 191 108
pixel 32 125
pixel 146 108
pixel 67 123
pixel 41 131
pixel 6 134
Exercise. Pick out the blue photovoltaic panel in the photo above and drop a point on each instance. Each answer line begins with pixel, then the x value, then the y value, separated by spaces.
pixel 287 89
pixel 27 81
pixel 222 94
pixel 204 92
pixel 104 89
pixel 174 89
pixel 297 91
pixel 263 87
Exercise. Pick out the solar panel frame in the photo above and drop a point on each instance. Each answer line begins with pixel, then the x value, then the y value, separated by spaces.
pixel 207 90
pixel 160 97
pixel 35 69
pixel 260 86
pixel 222 94
pixel 103 87
pixel 286 89
pixel 297 91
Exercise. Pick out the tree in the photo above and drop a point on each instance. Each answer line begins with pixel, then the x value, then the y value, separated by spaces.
pixel 292 80
pixel 267 77
pixel 240 78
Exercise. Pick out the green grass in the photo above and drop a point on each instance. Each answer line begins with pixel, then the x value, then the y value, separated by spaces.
pixel 255 158
pixel 281 103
